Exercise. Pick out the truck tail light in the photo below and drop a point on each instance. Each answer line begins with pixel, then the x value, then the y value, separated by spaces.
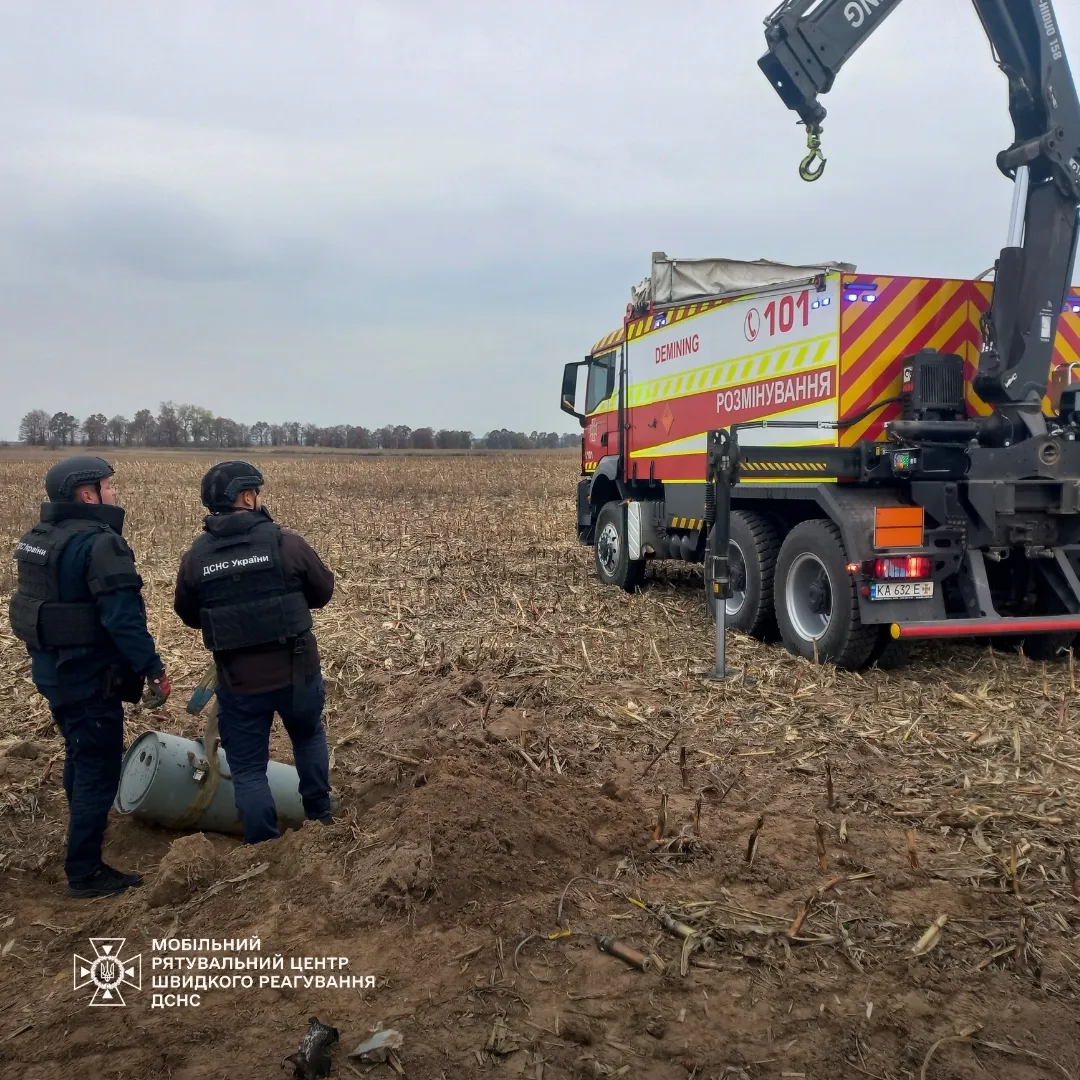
pixel 903 566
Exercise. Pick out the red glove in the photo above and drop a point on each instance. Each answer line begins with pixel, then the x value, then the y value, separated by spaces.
pixel 157 691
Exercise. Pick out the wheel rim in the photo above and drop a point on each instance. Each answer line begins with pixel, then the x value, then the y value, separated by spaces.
pixel 809 597
pixel 737 574
pixel 607 549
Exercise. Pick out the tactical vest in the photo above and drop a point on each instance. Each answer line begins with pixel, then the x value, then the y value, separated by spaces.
pixel 37 616
pixel 244 599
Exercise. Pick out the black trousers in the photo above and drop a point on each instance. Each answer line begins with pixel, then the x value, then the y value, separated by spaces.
pixel 94 743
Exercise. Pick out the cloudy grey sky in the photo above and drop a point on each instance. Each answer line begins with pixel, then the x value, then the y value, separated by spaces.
pixel 415 211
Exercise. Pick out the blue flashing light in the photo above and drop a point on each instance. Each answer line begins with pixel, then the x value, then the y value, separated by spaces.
pixel 816 304
pixel 826 301
pixel 865 289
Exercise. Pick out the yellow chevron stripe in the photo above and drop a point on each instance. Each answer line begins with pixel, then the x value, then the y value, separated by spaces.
pixel 873 331
pixel 1068 353
pixel 854 433
pixel 903 337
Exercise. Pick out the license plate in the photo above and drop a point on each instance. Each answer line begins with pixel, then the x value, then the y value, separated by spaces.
pixel 901 590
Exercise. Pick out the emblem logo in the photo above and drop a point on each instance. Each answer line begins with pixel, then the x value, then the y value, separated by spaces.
pixel 108 971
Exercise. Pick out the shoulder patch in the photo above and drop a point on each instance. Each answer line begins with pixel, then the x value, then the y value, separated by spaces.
pixel 31 552
pixel 112 565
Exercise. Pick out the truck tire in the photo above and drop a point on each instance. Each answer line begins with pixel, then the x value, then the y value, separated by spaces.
pixel 754 546
pixel 815 598
pixel 611 554
pixel 1046 647
pixel 888 653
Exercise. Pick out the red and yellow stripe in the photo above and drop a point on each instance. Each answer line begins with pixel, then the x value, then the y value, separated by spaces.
pixel 910 314
pixel 644 324
pixel 1067 343
pixel 616 337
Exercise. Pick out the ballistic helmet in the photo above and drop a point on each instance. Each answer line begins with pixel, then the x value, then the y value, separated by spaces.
pixel 225 480
pixel 65 476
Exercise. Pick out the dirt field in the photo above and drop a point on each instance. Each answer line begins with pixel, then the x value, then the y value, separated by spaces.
pixel 881 861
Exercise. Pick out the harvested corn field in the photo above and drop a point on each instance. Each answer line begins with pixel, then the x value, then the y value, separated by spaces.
pixel 802 872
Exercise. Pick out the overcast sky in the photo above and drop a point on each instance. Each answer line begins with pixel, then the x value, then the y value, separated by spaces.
pixel 415 211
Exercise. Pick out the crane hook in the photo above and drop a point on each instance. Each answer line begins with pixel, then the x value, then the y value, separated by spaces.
pixel 813 142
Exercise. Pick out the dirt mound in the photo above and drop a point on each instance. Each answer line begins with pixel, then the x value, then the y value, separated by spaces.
pixel 466 838
pixel 190 864
pixel 474 834
pixel 21 748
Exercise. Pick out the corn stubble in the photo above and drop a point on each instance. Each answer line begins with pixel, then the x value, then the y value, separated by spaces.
pixel 469 566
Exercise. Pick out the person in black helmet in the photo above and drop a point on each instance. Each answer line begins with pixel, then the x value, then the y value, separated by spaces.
pixel 79 610
pixel 250 585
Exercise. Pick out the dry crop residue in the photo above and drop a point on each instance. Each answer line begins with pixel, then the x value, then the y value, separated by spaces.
pixel 883 862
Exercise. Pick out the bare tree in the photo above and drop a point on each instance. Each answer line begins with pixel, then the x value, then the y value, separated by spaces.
pixel 143 428
pixel 34 428
pixel 96 430
pixel 183 424
pixel 170 430
pixel 62 428
pixel 118 427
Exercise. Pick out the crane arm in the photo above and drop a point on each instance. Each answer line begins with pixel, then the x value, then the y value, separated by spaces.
pixel 808 41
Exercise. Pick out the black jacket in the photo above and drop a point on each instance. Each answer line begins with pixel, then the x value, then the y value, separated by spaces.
pixel 258 668
pixel 68 676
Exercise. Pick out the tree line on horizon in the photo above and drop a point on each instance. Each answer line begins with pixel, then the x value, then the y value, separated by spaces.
pixel 194 426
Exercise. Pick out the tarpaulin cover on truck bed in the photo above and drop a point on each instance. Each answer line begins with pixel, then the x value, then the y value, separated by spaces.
pixel 675 281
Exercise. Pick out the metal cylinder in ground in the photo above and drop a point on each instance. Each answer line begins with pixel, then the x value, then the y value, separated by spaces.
pixel 158 783
pixel 681 929
pixel 630 956
pixel 723 459
pixel 721 671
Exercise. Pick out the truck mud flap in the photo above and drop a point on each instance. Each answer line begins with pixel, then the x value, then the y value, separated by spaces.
pixel 584 511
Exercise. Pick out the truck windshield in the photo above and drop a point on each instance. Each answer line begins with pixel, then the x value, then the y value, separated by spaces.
pixel 601 381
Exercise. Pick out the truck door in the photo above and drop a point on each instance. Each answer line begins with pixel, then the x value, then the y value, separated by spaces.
pixel 601 409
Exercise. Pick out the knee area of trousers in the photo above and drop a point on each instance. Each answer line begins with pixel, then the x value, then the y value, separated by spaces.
pixel 250 779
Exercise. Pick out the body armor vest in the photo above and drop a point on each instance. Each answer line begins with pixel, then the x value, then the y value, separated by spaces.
pixel 37 616
pixel 244 599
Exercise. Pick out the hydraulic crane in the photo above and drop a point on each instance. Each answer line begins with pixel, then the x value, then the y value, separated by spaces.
pixel 998 494
pixel 809 41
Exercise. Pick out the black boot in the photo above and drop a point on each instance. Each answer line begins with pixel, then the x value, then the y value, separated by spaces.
pixel 105 881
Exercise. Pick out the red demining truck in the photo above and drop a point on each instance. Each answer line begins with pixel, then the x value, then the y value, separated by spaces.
pixel 899 454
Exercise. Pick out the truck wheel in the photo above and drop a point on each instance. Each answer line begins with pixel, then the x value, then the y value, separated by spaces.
pixel 888 653
pixel 612 555
pixel 816 602
pixel 1046 647
pixel 753 547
